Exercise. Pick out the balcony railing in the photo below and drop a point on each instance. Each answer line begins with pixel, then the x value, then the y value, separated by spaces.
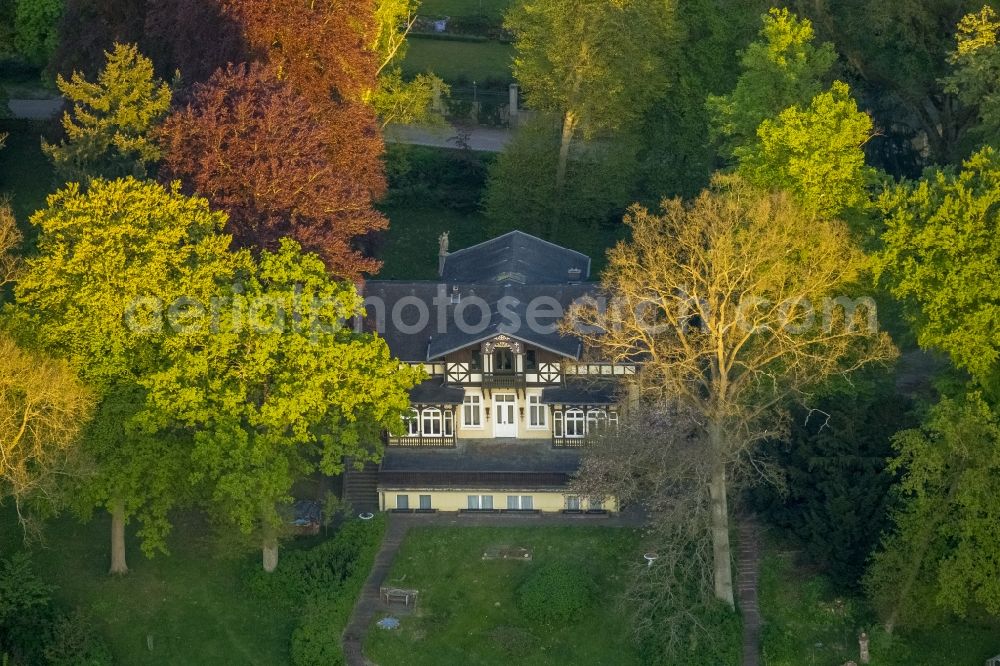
pixel 503 380
pixel 414 441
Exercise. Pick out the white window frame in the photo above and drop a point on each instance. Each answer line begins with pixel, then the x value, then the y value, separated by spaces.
pixel 575 424
pixel 430 502
pixel 431 420
pixel 413 423
pixel 572 500
pixel 472 405
pixel 538 418
pixel 597 420
pixel 480 502
pixel 402 502
pixel 449 423
pixel 557 424
pixel 520 502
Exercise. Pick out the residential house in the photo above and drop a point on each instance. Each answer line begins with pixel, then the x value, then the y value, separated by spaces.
pixel 510 400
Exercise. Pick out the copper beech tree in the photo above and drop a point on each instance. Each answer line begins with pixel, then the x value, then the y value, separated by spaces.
pixel 737 304
pixel 258 149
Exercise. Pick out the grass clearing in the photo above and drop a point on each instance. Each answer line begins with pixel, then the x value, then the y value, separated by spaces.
pixel 191 606
pixel 460 62
pixel 807 623
pixel 468 613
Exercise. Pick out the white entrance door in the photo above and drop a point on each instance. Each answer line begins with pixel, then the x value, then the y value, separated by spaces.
pixel 504 408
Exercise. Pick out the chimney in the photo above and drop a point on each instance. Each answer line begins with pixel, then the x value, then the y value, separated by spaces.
pixel 574 274
pixel 442 252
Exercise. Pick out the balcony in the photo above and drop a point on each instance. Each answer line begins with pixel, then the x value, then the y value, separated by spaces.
pixel 503 380
pixel 423 441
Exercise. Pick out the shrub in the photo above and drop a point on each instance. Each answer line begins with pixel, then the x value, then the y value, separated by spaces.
pixel 75 642
pixel 433 177
pixel 324 582
pixel 554 593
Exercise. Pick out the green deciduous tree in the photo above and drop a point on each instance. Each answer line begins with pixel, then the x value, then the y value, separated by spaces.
pixel 278 387
pixel 713 296
pixel 976 77
pixel 700 60
pixel 109 259
pixel 783 68
pixel 599 183
pixel 108 134
pixel 36 33
pixel 944 555
pixel 592 65
pixel 814 152
pixel 940 257
pixel 394 99
pixel 896 52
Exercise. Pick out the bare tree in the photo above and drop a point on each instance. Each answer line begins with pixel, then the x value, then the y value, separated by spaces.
pixel 10 241
pixel 734 302
pixel 43 408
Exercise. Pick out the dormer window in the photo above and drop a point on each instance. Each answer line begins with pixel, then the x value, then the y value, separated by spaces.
pixel 456 296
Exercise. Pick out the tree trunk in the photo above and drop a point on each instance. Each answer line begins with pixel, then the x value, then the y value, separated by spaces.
pixel 270 552
pixel 565 140
pixel 721 551
pixel 118 565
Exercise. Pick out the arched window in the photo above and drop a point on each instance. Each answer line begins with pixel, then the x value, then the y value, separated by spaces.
pixel 575 423
pixel 412 423
pixel 597 420
pixel 431 422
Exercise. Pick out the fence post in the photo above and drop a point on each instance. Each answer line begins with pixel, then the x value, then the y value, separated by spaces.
pixel 513 105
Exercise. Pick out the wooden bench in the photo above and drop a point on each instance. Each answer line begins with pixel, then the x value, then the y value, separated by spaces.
pixel 392 595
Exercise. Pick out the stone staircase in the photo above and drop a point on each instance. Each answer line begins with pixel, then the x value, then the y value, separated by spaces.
pixel 747 579
pixel 361 488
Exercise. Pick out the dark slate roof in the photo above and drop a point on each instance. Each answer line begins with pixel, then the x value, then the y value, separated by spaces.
pixel 434 392
pixel 484 456
pixel 515 258
pixel 580 392
pixel 507 307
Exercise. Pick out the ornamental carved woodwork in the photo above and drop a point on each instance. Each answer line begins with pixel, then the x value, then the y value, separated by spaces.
pixel 502 341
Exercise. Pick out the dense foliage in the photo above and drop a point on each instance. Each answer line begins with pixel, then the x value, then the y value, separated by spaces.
pixel 34 631
pixel 231 145
pixel 834 491
pixel 321 585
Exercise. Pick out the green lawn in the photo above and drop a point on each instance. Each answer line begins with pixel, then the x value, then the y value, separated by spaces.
pixel 491 8
pixel 807 623
pixel 467 613
pixel 191 606
pixel 410 251
pixel 456 61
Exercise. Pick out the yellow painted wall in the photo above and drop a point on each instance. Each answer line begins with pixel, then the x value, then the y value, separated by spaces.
pixel 456 500
pixel 486 431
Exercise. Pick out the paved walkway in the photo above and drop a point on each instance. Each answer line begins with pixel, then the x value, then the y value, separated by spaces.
pixel 35 109
pixel 483 139
pixel 747 578
pixel 370 603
